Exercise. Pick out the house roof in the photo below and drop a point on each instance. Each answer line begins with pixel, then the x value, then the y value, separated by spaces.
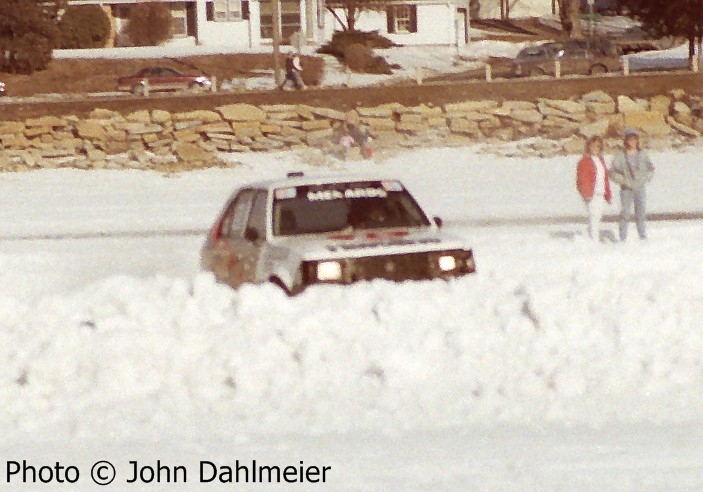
pixel 120 2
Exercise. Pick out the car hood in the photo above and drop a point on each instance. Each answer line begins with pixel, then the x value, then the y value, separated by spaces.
pixel 362 243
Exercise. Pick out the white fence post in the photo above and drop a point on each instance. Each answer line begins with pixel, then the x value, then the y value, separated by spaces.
pixel 146 87
pixel 557 69
pixel 418 75
pixel 213 83
pixel 489 72
pixel 626 65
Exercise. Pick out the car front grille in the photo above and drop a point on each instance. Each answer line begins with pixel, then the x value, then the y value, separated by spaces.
pixel 409 266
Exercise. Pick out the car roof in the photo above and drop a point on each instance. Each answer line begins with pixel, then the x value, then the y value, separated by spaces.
pixel 299 179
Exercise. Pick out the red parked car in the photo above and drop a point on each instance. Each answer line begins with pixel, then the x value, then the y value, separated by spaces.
pixel 160 79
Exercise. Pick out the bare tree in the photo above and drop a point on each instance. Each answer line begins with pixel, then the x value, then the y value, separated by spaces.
pixel 352 9
pixel 569 15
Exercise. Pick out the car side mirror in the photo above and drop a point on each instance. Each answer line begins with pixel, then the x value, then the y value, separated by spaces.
pixel 251 234
pixel 438 221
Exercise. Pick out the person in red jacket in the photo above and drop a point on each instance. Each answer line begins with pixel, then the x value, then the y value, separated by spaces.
pixel 593 183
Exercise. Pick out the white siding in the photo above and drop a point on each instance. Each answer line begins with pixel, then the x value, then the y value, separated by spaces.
pixel 435 25
pixel 518 8
pixel 234 33
pixel 224 33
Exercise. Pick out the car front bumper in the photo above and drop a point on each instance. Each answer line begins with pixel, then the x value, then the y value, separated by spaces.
pixel 397 267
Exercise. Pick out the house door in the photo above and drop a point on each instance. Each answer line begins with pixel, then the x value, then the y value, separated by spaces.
pixel 290 19
pixel 462 27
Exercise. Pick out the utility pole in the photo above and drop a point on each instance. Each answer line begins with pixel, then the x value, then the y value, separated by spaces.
pixel 276 13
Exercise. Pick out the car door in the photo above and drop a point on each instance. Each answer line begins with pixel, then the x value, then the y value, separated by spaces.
pixel 154 77
pixel 170 79
pixel 225 253
pixel 253 242
pixel 576 59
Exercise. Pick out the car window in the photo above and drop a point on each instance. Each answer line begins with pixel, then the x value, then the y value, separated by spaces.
pixel 168 72
pixel 575 49
pixel 257 216
pixel 344 206
pixel 236 215
pixel 533 52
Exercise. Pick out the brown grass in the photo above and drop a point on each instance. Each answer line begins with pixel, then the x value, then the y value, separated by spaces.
pixel 100 75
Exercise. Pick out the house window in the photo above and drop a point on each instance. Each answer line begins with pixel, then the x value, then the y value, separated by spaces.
pixel 180 23
pixel 290 18
pixel 224 10
pixel 401 19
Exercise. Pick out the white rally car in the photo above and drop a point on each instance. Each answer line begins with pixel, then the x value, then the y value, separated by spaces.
pixel 301 230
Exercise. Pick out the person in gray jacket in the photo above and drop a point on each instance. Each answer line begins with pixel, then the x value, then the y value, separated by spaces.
pixel 632 169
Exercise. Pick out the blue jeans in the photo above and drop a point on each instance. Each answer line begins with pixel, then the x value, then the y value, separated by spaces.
pixel 627 198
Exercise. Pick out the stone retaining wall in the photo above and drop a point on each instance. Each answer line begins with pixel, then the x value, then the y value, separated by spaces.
pixel 162 140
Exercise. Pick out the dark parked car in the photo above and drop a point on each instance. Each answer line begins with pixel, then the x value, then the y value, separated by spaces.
pixel 578 57
pixel 162 78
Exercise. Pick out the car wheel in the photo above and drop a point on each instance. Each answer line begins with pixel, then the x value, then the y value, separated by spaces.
pixel 537 72
pixel 138 90
pixel 598 69
pixel 196 87
pixel 294 291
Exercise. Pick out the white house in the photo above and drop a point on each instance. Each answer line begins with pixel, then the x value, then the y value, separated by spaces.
pixel 516 9
pixel 415 22
pixel 249 23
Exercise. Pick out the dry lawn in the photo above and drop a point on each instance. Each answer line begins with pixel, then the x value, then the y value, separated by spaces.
pixel 100 75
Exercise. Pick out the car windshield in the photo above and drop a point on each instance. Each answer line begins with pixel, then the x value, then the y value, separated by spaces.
pixel 533 52
pixel 344 206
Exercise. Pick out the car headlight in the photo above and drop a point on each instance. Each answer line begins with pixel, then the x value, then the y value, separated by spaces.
pixel 329 270
pixel 447 263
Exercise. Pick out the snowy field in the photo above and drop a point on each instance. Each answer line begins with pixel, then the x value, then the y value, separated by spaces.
pixel 561 365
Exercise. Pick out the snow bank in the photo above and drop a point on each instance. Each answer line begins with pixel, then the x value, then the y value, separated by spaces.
pixel 128 357
pixel 671 58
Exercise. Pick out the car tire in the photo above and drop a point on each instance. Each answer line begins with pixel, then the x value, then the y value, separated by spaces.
pixel 597 69
pixel 138 90
pixel 196 87
pixel 292 292
pixel 537 72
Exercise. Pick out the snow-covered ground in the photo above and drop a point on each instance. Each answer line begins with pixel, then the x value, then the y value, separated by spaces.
pixel 561 365
pixel 672 58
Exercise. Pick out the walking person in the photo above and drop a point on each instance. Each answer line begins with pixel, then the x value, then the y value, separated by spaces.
pixel 293 72
pixel 593 184
pixel 632 169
